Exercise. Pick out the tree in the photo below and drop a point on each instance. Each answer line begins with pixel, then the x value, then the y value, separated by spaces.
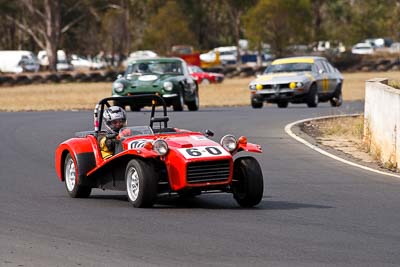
pixel 168 27
pixel 44 21
pixel 278 23
pixel 235 10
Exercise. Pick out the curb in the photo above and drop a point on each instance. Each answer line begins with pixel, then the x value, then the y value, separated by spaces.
pixel 288 130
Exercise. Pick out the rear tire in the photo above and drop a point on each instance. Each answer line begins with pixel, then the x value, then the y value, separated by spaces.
pixel 71 179
pixel 141 183
pixel 248 182
pixel 312 97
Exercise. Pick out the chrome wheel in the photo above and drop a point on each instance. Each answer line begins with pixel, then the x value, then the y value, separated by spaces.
pixel 132 184
pixel 71 179
pixel 205 82
pixel 70 174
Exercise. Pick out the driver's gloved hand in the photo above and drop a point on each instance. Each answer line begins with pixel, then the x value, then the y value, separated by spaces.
pixel 110 144
pixel 111 135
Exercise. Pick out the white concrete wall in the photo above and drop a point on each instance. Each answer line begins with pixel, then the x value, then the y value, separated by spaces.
pixel 382 121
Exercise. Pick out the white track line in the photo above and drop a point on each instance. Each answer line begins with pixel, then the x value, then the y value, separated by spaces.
pixel 288 130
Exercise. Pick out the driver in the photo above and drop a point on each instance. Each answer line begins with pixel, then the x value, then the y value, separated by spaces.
pixel 114 119
pixel 143 68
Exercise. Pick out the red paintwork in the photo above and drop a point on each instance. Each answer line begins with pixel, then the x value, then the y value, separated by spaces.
pixel 76 146
pixel 199 76
pixel 175 161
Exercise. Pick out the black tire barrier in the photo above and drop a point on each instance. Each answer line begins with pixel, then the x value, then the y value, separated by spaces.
pixel 22 79
pixel 7 81
pixel 81 77
pixel 66 77
pixel 36 79
pixel 52 77
pixel 96 77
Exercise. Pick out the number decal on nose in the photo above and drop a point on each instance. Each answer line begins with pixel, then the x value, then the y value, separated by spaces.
pixel 203 152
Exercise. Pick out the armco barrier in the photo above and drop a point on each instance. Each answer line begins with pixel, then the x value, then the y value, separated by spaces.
pixel 382 121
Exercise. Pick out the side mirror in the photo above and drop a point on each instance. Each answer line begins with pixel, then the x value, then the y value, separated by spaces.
pixel 119 76
pixel 208 133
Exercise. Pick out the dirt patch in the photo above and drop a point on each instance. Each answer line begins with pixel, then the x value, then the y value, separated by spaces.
pixel 342 137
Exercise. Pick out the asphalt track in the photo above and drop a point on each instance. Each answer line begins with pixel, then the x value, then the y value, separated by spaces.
pixel 315 211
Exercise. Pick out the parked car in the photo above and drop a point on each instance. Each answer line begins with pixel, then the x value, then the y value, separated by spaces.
pixel 203 77
pixel 17 61
pixel 307 80
pixel 79 62
pixel 395 48
pixel 140 54
pixel 187 53
pixel 62 62
pixel 167 77
pixel 227 55
pixel 362 49
pixel 155 160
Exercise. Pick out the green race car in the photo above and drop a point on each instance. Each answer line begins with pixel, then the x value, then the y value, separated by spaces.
pixel 166 77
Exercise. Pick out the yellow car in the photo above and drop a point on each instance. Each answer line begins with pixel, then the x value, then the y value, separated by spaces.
pixel 306 79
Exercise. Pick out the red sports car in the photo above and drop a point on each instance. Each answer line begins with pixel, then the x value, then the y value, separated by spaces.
pixel 156 160
pixel 203 77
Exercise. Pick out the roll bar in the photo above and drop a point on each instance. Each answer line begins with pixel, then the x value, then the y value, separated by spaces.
pixel 155 100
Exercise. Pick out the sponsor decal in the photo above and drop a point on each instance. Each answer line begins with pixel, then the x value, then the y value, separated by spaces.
pixel 137 143
pixel 203 152
pixel 198 137
pixel 147 78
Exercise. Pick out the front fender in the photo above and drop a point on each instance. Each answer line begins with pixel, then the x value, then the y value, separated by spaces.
pixel 249 147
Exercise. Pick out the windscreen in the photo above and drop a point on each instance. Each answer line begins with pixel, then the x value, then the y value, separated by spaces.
pixel 288 67
pixel 155 68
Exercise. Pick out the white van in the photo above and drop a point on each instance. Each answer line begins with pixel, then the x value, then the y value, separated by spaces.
pixel 18 61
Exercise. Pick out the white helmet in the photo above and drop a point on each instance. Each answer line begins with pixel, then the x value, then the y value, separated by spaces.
pixel 114 118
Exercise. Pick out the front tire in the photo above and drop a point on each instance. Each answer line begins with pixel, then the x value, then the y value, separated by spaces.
pixel 256 104
pixel 312 97
pixel 205 81
pixel 179 102
pixel 71 179
pixel 248 182
pixel 141 183
pixel 337 99
pixel 194 105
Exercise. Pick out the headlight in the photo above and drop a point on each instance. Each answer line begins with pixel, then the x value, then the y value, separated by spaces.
pixel 295 85
pixel 168 86
pixel 161 147
pixel 252 87
pixel 229 142
pixel 118 87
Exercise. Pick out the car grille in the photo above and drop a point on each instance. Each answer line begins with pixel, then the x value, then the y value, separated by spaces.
pixel 208 171
pixel 275 86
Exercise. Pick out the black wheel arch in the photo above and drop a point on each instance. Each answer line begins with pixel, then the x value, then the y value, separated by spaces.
pixel 84 163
